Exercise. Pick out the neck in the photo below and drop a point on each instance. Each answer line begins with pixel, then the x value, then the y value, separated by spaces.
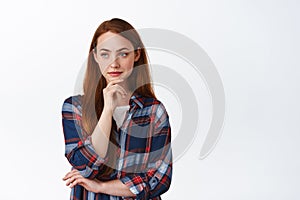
pixel 125 86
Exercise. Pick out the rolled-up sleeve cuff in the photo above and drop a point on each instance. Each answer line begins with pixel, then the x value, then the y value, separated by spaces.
pixel 95 159
pixel 136 184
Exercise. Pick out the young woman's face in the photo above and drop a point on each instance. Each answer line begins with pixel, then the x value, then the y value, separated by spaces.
pixel 115 56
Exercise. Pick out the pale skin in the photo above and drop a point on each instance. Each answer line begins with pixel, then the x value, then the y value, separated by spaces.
pixel 115 56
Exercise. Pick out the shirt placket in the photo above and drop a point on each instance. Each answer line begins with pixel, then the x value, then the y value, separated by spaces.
pixel 123 135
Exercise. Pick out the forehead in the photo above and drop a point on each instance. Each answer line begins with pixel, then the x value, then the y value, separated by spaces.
pixel 112 41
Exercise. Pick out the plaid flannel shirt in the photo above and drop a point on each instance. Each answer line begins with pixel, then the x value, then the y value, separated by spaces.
pixel 144 149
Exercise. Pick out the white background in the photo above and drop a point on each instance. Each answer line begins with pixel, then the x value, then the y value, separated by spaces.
pixel 254 45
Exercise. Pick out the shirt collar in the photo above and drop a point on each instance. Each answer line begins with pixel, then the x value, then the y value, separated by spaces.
pixel 136 99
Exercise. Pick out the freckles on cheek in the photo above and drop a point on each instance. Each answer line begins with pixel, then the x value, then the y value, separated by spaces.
pixel 129 65
pixel 103 69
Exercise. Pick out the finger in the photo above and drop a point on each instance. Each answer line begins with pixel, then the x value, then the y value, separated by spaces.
pixel 66 176
pixel 72 179
pixel 79 181
pixel 115 90
pixel 119 89
pixel 71 173
pixel 113 82
pixel 109 87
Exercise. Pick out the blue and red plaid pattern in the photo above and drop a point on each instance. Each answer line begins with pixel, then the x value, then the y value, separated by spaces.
pixel 144 149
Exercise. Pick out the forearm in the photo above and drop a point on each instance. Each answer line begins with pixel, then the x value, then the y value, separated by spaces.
pixel 115 188
pixel 101 133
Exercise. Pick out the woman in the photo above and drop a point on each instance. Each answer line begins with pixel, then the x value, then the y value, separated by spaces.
pixel 117 134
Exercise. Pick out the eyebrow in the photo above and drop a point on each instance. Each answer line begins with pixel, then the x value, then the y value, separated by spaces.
pixel 124 48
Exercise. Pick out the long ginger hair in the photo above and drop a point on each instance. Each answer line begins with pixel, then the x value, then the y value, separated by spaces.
pixel 94 82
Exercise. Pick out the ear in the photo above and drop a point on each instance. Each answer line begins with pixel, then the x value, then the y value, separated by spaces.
pixel 137 54
pixel 95 56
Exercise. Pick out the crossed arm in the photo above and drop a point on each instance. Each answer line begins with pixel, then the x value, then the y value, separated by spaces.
pixel 113 187
pixel 87 163
pixel 87 151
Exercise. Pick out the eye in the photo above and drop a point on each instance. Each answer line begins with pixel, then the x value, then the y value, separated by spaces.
pixel 123 54
pixel 104 55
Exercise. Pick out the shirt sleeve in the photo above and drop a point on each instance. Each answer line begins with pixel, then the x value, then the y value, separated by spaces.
pixel 157 179
pixel 78 149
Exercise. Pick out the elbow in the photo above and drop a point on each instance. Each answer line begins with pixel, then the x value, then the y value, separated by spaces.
pixel 85 170
pixel 162 186
pixel 156 193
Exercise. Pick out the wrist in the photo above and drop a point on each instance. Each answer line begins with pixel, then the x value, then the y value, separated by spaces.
pixel 107 111
pixel 101 187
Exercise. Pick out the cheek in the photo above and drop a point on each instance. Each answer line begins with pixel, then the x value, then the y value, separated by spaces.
pixel 128 64
pixel 103 68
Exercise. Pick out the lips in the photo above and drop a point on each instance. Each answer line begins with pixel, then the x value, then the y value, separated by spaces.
pixel 114 74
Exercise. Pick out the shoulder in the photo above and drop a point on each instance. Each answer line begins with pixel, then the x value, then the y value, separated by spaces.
pixel 72 103
pixel 148 101
pixel 161 110
pixel 156 106
pixel 74 99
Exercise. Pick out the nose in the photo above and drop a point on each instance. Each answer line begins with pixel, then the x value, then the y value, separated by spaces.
pixel 115 62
